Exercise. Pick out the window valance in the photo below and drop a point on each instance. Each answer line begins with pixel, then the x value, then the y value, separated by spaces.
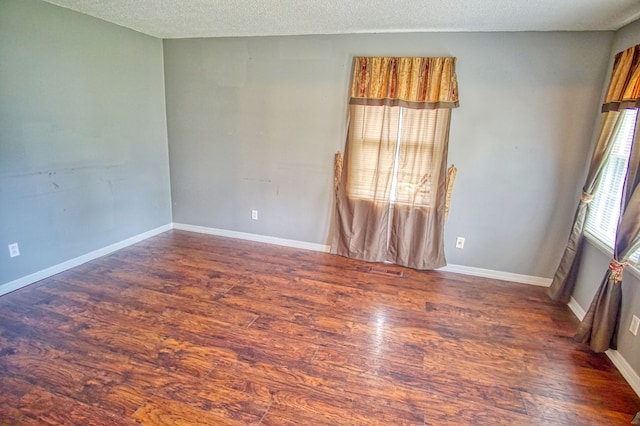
pixel 624 87
pixel 418 83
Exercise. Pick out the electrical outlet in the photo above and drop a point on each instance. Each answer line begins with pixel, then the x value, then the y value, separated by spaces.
pixel 14 250
pixel 254 214
pixel 635 322
pixel 460 242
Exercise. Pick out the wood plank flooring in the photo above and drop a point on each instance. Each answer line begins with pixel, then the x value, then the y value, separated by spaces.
pixel 193 329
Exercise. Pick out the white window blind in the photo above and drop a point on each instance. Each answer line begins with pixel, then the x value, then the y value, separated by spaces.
pixel 392 156
pixel 604 210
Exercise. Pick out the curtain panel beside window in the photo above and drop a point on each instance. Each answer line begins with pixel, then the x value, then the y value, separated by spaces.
pixel 391 185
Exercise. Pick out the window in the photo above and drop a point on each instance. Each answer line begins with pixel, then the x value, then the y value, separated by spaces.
pixel 395 154
pixel 604 210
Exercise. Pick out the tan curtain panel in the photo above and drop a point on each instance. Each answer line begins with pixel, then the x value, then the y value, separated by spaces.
pixel 624 87
pixel 363 196
pixel 416 83
pixel 564 279
pixel 416 234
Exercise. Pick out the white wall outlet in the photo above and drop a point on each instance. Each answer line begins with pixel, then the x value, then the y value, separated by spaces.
pixel 14 250
pixel 254 214
pixel 460 242
pixel 635 322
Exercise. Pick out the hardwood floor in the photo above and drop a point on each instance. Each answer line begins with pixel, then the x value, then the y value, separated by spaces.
pixel 192 329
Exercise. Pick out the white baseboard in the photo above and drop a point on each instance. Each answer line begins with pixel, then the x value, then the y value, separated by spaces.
pixel 466 270
pixel 625 369
pixel 616 358
pixel 252 237
pixel 576 308
pixel 72 263
pixel 45 273
pixel 498 275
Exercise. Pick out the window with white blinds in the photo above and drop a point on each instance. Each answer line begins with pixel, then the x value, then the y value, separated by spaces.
pixel 604 210
pixel 393 151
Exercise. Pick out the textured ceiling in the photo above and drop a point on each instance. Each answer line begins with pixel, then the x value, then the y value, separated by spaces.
pixel 229 18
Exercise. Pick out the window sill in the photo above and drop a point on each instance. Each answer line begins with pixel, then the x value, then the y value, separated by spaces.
pixel 634 269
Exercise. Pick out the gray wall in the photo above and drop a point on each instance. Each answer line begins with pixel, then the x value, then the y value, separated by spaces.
pixel 595 262
pixel 254 122
pixel 83 143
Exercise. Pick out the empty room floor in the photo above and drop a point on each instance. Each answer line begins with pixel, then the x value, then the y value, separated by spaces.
pixel 185 328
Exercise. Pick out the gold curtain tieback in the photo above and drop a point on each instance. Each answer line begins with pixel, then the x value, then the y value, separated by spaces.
pixel 451 178
pixel 617 268
pixel 586 198
pixel 337 170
